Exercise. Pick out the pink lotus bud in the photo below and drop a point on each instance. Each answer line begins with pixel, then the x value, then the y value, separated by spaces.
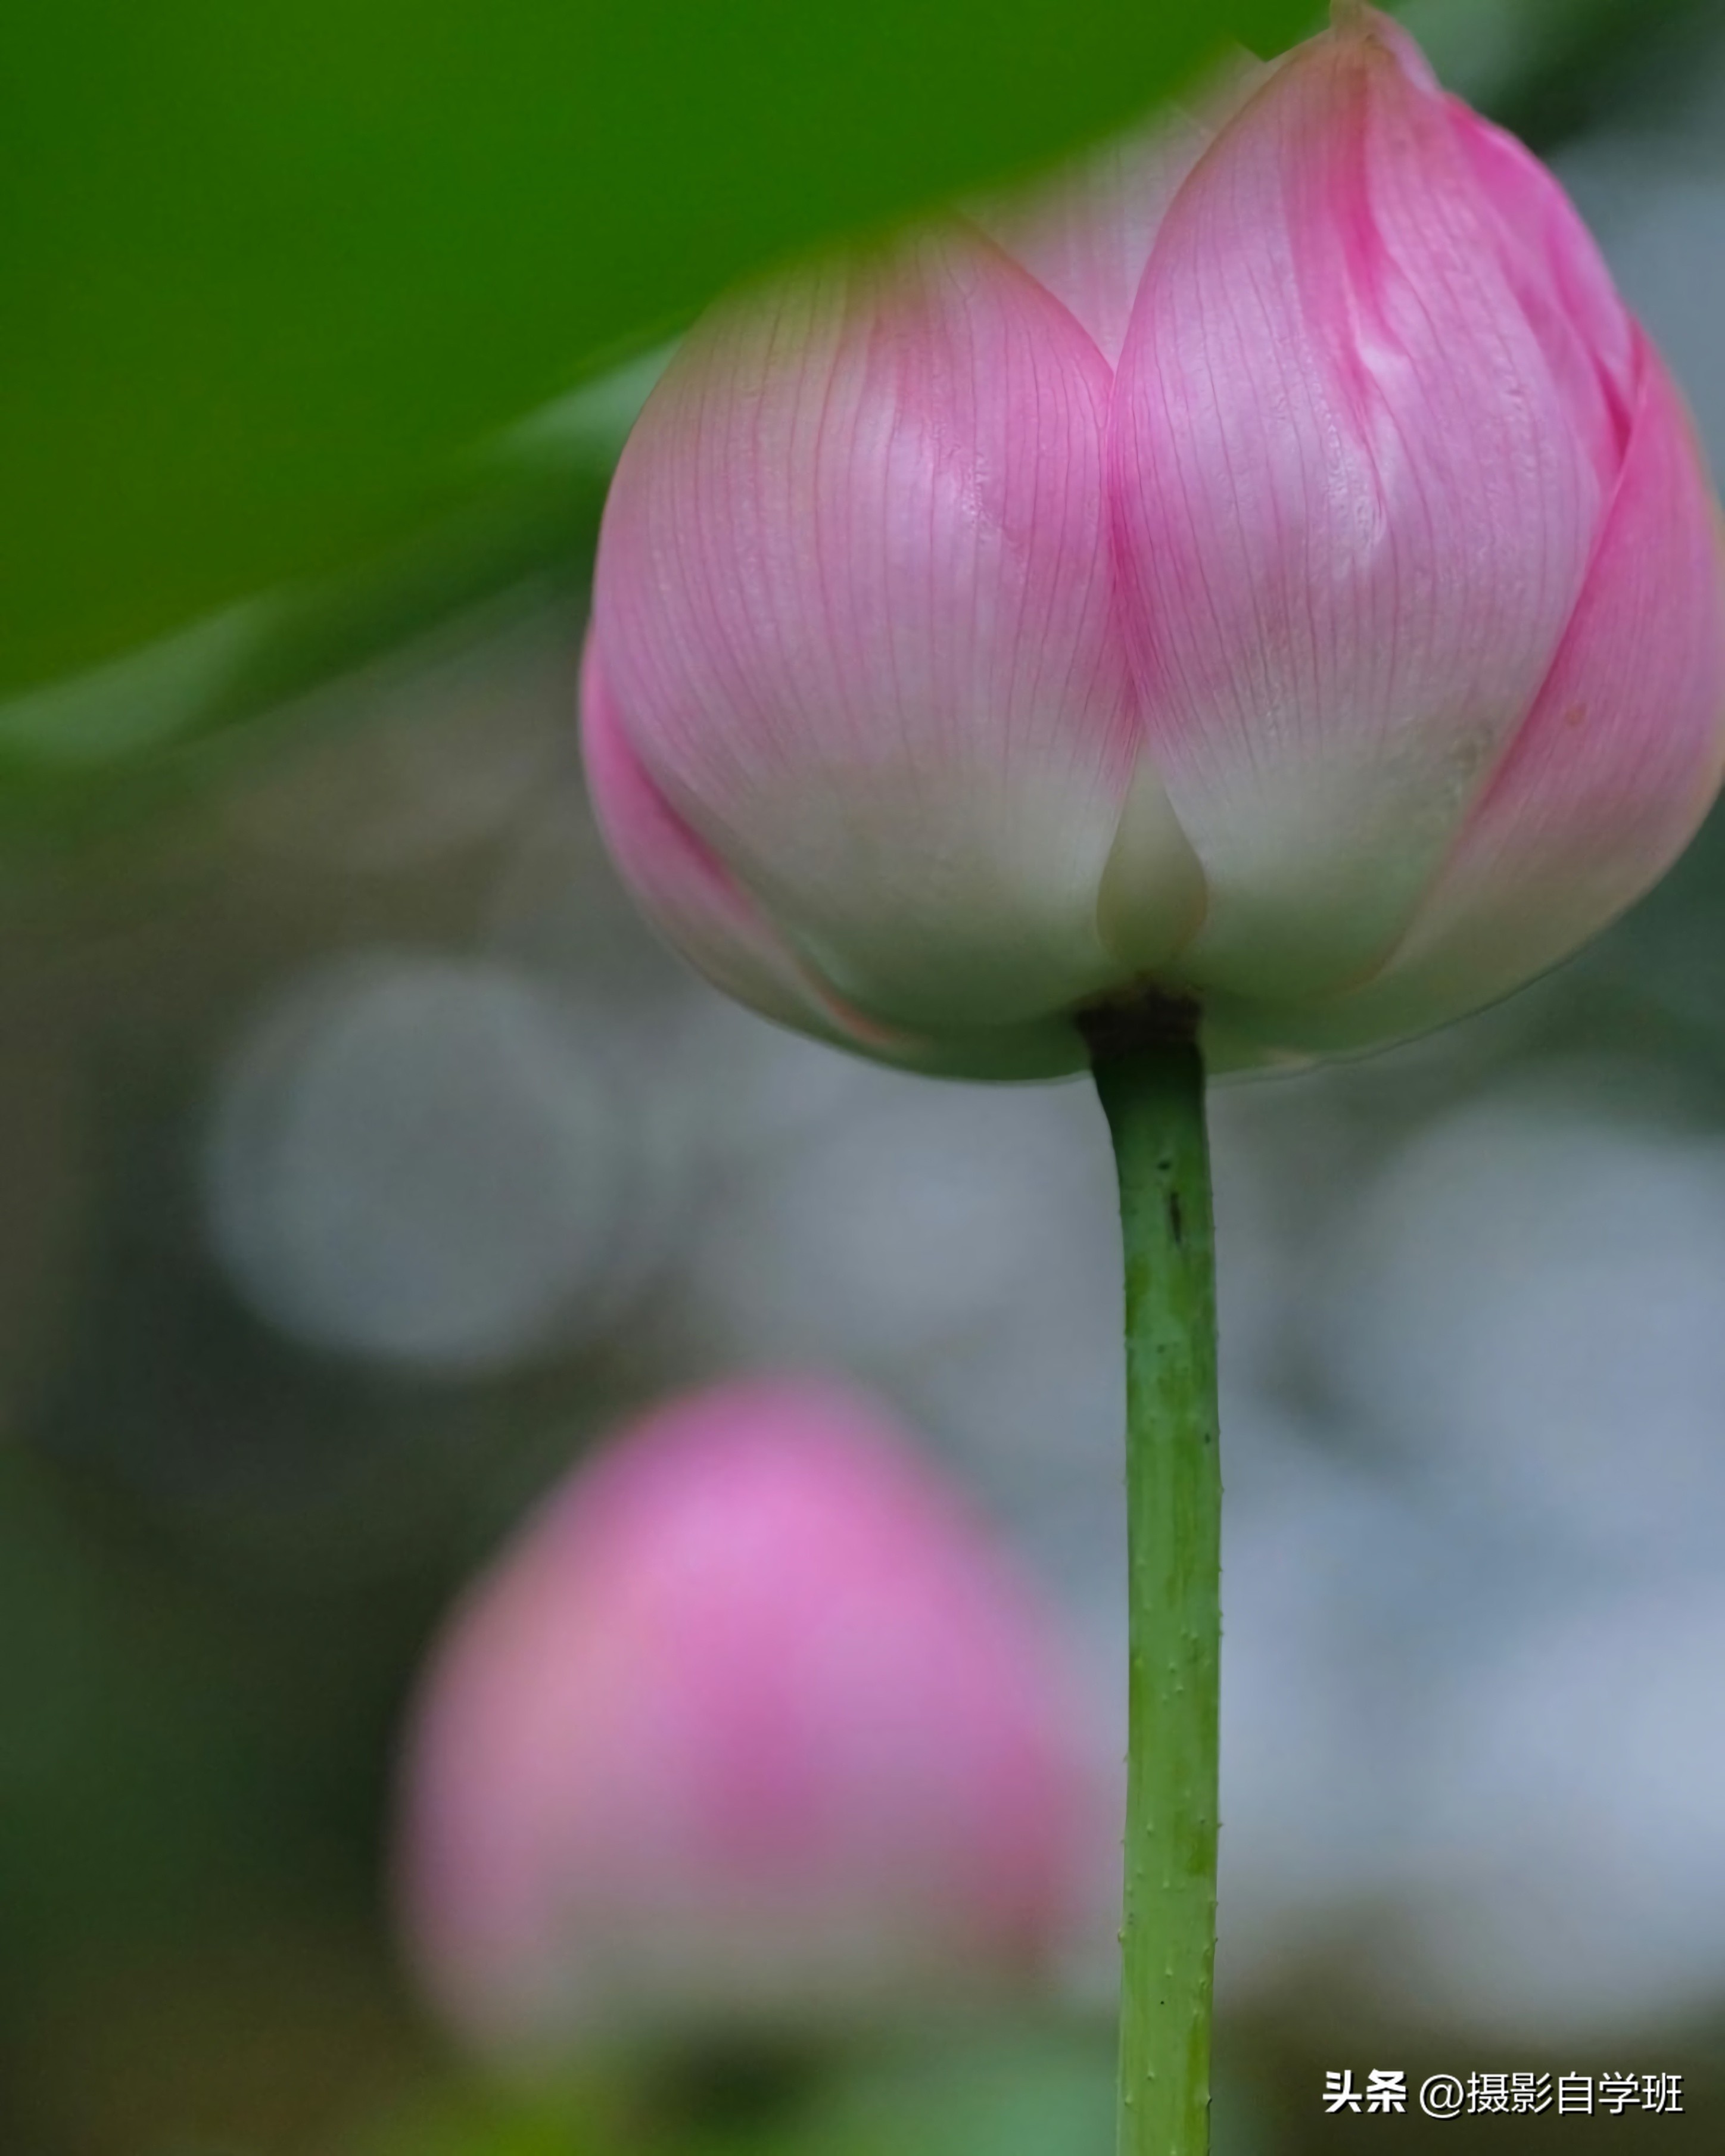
pixel 754 1730
pixel 1270 565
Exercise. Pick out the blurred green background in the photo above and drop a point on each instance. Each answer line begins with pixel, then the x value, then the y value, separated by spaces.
pixel 323 326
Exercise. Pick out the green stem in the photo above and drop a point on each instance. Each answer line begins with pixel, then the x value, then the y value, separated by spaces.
pixel 1151 1080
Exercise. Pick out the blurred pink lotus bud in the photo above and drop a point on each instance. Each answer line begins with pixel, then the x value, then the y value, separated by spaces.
pixel 754 1731
pixel 1270 565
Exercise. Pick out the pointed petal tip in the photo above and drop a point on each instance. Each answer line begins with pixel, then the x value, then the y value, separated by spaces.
pixel 1366 34
pixel 1356 19
pixel 1153 896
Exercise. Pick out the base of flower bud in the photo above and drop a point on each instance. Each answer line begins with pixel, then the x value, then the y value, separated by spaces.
pixel 1144 1018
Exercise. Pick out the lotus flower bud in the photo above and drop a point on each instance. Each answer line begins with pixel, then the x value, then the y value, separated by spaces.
pixel 753 1733
pixel 1268 566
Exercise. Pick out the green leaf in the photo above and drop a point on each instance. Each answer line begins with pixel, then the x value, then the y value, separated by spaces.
pixel 1024 2106
pixel 271 273
pixel 1019 2091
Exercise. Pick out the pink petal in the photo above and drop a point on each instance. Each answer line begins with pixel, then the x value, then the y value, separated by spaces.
pixel 699 907
pixel 1355 512
pixel 853 600
pixel 686 891
pixel 1562 284
pixel 1085 232
pixel 752 1722
pixel 1614 768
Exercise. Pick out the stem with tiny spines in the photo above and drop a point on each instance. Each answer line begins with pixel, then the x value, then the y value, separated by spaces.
pixel 1150 1077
